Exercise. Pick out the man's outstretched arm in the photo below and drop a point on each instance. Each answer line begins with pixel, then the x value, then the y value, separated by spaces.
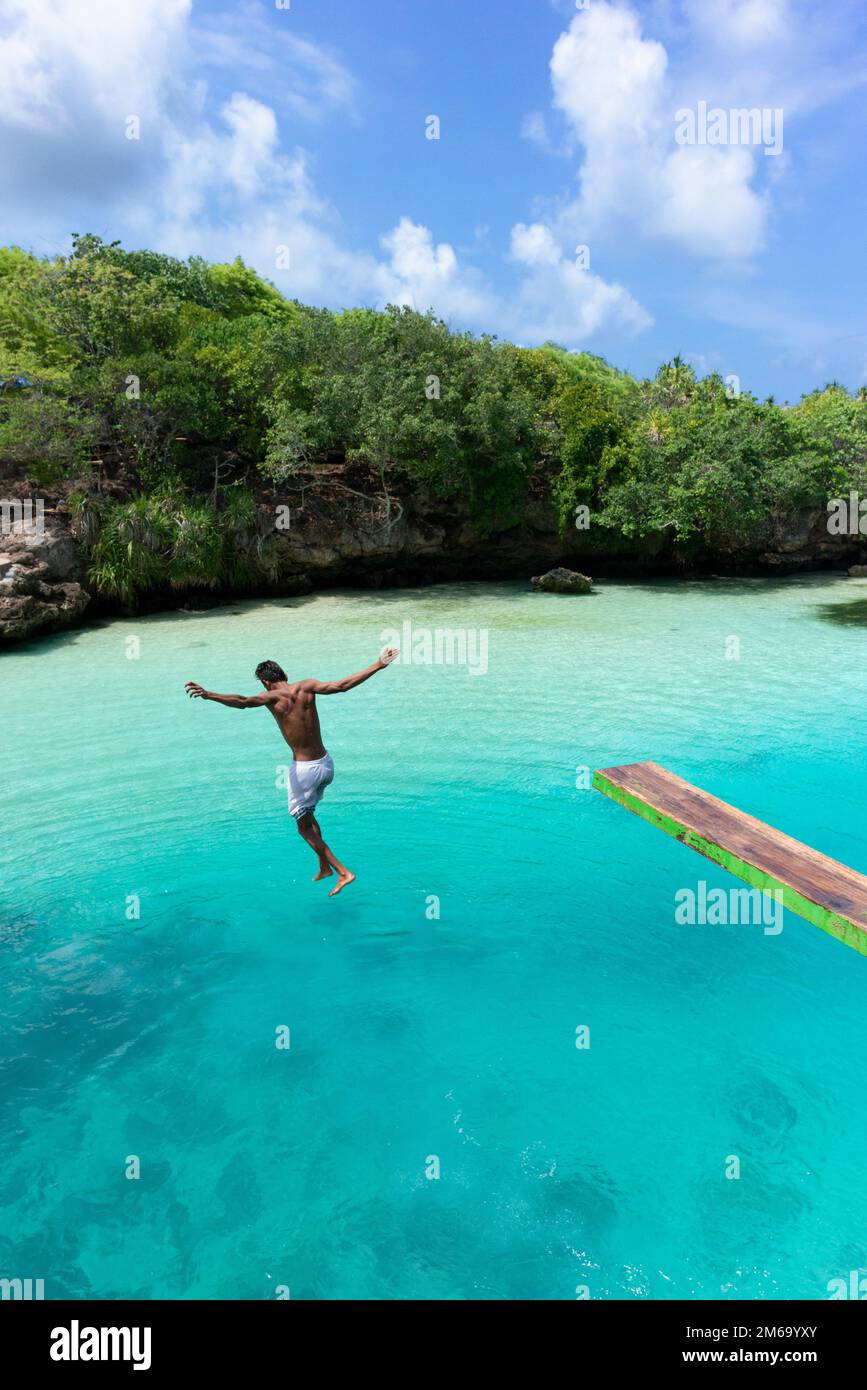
pixel 350 682
pixel 198 692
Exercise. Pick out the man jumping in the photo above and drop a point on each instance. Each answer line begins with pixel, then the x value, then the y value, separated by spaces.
pixel 293 705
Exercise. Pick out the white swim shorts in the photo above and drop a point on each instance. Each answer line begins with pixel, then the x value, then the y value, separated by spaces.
pixel 307 783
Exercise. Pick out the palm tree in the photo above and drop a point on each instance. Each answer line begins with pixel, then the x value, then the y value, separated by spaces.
pixel 677 382
pixel 658 426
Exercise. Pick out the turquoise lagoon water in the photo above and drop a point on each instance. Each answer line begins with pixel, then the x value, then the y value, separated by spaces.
pixel 412 1036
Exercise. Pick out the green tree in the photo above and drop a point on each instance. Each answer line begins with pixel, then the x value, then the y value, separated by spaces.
pixel 591 427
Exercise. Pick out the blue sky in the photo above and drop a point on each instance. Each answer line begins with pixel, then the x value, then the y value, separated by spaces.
pixel 299 133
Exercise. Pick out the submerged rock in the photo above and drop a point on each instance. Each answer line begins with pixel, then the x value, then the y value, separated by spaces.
pixel 858 571
pixel 562 581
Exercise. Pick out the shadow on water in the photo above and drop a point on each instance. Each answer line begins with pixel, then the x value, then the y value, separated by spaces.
pixel 852 613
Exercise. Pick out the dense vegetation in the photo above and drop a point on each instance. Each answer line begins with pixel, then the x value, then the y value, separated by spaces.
pixel 190 386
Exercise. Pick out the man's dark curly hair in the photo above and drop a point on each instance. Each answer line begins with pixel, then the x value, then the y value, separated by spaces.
pixel 270 671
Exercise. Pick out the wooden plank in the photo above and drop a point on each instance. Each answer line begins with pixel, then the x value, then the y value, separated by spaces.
pixel 827 894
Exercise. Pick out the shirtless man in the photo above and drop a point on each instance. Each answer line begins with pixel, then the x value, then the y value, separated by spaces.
pixel 293 705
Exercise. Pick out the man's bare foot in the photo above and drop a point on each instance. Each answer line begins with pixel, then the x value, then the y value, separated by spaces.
pixel 323 873
pixel 342 881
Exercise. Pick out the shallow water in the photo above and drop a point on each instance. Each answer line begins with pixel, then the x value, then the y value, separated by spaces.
pixel 413 1037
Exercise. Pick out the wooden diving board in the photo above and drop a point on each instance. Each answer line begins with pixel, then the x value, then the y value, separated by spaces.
pixel 826 893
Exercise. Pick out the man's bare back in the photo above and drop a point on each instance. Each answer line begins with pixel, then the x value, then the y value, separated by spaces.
pixel 293 705
pixel 295 710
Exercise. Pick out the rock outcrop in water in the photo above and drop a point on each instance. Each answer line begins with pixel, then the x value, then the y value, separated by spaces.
pixel 562 581
pixel 41 578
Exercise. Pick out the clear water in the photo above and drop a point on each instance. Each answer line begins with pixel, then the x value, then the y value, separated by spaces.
pixel 413 1037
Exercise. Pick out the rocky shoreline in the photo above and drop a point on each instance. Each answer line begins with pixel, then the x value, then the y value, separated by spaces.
pixel 340 536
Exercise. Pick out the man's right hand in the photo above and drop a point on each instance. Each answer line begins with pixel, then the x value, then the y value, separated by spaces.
pixel 196 692
pixel 387 655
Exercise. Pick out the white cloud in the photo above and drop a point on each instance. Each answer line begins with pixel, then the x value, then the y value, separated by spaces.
pixel 553 297
pixel 533 128
pixel 253 143
pixel 705 202
pixel 244 162
pixel 607 79
pixel 424 275
pixel 302 77
pixel 61 59
pixel 534 245
pixel 559 300
pixel 745 23
pixel 614 86
pixel 415 259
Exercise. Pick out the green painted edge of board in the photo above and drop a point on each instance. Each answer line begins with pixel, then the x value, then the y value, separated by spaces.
pixel 814 913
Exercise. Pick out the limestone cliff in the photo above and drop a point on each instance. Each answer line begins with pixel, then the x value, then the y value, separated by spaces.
pixel 338 530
